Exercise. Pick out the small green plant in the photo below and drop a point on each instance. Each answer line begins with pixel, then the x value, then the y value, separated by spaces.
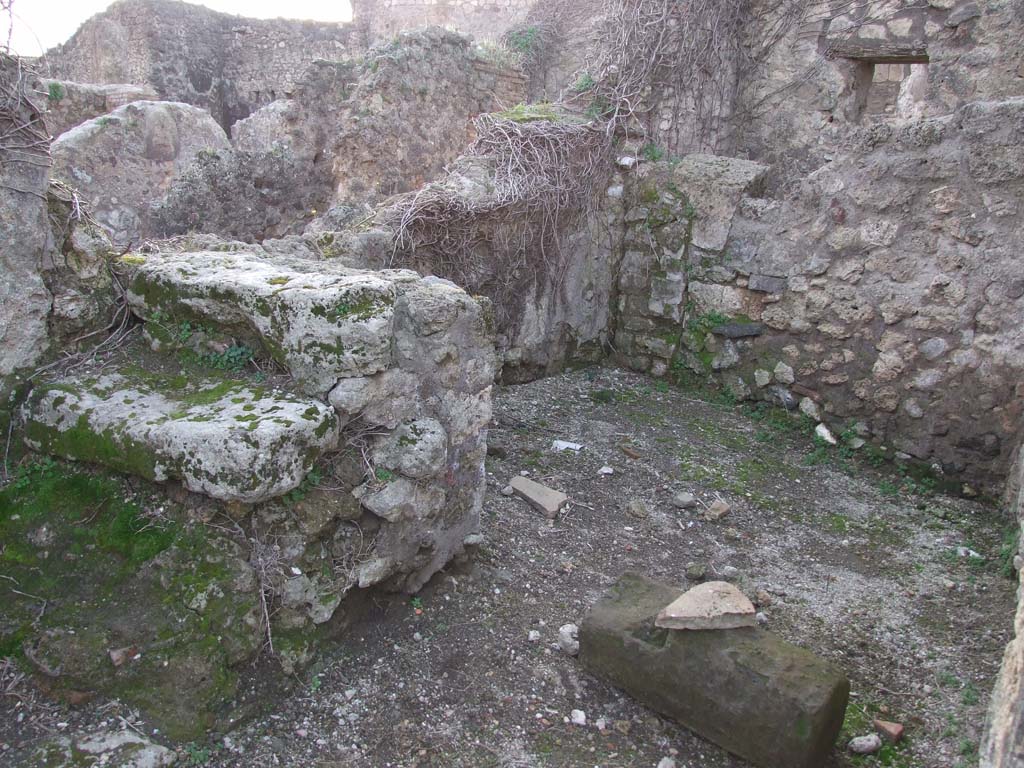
pixel 603 396
pixel 970 696
pixel 1008 551
pixel 196 755
pixel 315 683
pixel 309 482
pixel 383 475
pixel 234 358
pixel 416 602
pixel 598 108
pixel 55 92
pixel 584 83
pixel 29 474
pixel 523 40
pixel 652 153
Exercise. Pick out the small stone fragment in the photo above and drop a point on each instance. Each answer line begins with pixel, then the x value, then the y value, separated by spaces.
pixel 533 636
pixel 696 571
pixel 119 656
pixel 578 717
pixel 713 605
pixel 891 732
pixel 716 511
pixel 731 573
pixel 544 499
pixel 865 745
pixel 636 508
pixel 568 639
pixel 825 434
pixel 606 471
pixel 562 445
pixel 761 618
pixel 508 490
pixel 762 598
pixel 631 453
pixel 684 500
pixel 667 762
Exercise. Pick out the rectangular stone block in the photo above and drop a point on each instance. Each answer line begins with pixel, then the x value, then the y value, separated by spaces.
pixel 750 692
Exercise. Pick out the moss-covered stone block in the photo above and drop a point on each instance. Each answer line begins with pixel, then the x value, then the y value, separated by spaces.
pixel 323 323
pixel 750 692
pixel 221 438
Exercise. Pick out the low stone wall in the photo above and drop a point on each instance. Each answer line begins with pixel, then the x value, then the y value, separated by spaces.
pixel 65 104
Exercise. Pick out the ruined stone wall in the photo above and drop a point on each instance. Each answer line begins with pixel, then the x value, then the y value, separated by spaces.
pixel 823 78
pixel 227 64
pixel 481 19
pixel 351 134
pixel 1003 746
pixel 869 276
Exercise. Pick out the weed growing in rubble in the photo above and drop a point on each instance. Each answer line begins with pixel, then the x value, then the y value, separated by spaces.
pixel 311 481
pixel 523 40
pixel 55 92
pixel 652 153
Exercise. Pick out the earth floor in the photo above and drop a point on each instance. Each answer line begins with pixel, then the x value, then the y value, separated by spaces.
pixel 857 564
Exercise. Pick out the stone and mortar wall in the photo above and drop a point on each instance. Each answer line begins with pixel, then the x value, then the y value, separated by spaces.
pixel 227 64
pixel 870 276
pixel 884 291
pixel 481 19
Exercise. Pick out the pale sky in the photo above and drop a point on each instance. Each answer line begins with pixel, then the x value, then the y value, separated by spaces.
pixel 42 24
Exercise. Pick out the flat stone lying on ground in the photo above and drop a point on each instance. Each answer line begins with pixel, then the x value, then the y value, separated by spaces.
pixel 227 440
pixel 711 605
pixel 543 499
pixel 750 692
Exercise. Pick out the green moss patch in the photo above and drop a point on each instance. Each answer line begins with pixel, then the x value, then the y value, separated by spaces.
pixel 87 570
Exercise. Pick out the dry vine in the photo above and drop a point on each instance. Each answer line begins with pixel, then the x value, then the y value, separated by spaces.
pixel 24 139
pixel 541 177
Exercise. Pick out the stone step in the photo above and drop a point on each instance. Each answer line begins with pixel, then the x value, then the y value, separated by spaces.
pixel 225 439
pixel 322 321
pixel 747 690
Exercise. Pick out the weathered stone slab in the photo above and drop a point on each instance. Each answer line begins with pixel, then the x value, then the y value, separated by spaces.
pixel 540 497
pixel 750 692
pixel 712 605
pixel 323 326
pixel 223 439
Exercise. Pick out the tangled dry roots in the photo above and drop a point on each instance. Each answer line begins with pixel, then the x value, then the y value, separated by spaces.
pixel 530 183
pixel 23 136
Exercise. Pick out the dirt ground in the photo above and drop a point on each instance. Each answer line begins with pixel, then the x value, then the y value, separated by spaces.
pixel 860 565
